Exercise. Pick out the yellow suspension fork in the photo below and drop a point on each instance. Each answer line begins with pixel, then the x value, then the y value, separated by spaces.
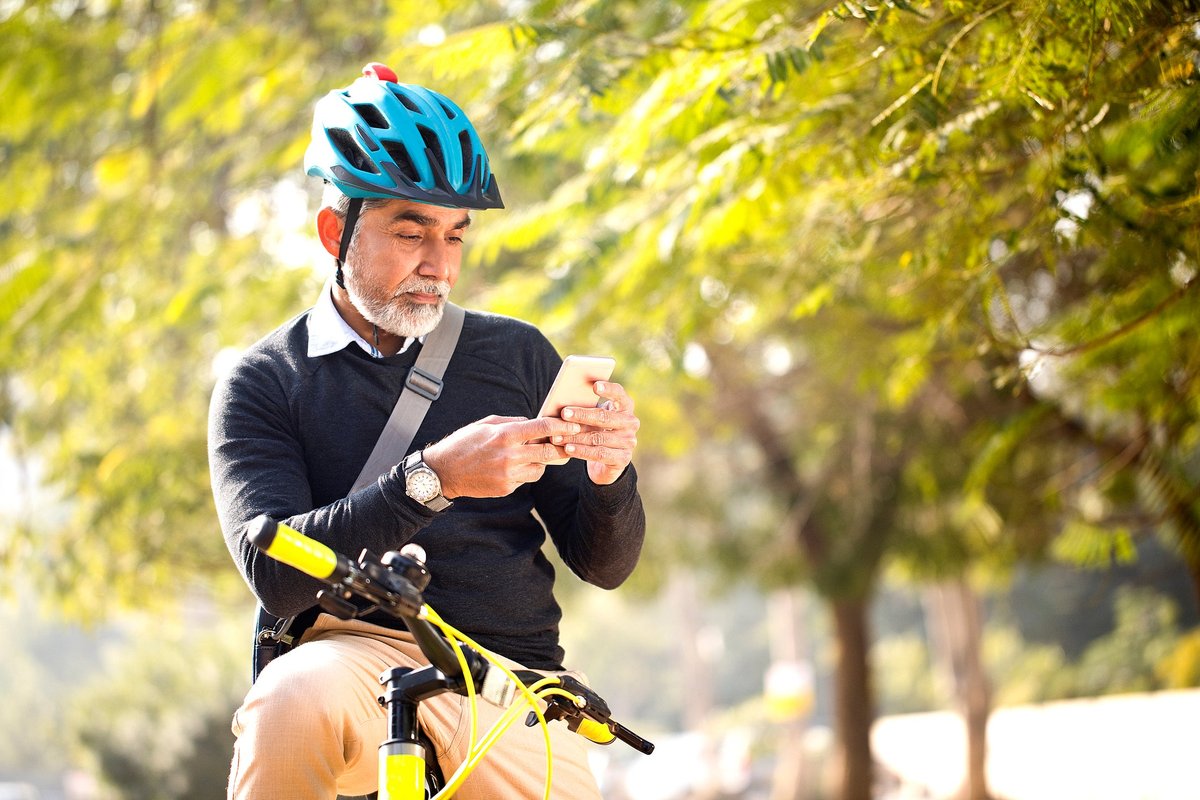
pixel 401 771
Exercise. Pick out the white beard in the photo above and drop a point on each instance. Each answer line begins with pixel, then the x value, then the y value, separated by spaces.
pixel 394 313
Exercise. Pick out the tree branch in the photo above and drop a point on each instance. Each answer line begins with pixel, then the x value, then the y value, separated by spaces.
pixel 1123 330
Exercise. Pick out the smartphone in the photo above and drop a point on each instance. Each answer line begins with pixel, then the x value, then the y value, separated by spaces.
pixel 573 385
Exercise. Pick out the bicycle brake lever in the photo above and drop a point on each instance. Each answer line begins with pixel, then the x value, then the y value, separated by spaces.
pixel 589 718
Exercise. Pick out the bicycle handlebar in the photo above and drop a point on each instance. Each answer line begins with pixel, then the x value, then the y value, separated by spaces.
pixel 391 583
pixel 297 550
pixel 371 579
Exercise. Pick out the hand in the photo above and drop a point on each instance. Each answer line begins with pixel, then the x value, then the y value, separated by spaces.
pixel 609 435
pixel 492 457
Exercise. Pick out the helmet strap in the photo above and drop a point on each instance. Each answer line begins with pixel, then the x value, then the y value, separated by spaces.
pixel 352 212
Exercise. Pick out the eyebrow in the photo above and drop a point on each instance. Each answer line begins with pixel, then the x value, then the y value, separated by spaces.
pixel 408 215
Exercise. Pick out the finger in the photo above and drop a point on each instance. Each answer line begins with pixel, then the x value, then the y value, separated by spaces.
pixel 611 416
pixel 617 457
pixel 543 428
pixel 544 453
pixel 615 395
pixel 599 437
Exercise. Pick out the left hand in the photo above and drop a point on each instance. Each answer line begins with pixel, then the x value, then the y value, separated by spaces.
pixel 609 433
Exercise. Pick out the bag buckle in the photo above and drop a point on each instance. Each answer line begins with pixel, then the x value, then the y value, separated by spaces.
pixel 423 383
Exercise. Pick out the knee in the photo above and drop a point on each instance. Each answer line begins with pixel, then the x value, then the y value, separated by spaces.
pixel 297 689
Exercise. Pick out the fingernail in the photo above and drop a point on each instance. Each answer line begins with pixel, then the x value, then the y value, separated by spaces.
pixel 600 387
pixel 556 439
pixel 568 413
pixel 570 448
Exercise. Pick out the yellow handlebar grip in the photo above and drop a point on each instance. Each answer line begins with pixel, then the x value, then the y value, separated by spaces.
pixel 595 731
pixel 293 548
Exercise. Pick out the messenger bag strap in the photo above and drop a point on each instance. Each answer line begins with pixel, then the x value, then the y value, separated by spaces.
pixel 422 386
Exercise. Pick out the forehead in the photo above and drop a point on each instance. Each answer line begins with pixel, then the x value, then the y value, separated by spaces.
pixel 398 210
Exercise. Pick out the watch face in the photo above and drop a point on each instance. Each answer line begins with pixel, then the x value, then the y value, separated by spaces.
pixel 422 485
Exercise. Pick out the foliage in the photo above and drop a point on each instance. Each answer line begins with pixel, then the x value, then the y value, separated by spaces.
pixel 893 283
pixel 32 717
pixel 1180 668
pixel 657 636
pixel 154 722
pixel 1143 652
pixel 921 276
pixel 1022 673
pixel 905 682
pixel 152 155
pixel 144 706
pixel 1126 659
pixel 719 192
pixel 965 186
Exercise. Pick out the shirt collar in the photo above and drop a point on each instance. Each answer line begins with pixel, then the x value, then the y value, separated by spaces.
pixel 328 332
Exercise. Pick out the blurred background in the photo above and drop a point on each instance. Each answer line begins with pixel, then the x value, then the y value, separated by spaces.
pixel 905 292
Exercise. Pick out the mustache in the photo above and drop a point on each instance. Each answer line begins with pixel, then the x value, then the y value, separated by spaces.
pixel 421 286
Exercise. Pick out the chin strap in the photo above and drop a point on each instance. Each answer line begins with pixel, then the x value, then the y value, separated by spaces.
pixel 352 212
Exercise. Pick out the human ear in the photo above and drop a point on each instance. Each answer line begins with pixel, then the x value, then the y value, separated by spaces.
pixel 329 230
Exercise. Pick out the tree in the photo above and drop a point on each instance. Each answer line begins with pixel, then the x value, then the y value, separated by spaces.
pixel 152 153
pixel 865 228
pixel 906 282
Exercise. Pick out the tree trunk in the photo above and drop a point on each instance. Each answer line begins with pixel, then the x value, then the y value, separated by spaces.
pixel 956 633
pixel 854 712
pixel 695 665
pixel 788 646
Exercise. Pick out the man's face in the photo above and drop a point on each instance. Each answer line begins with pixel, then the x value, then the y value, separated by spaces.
pixel 402 263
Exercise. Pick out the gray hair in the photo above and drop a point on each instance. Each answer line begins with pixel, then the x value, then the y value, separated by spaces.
pixel 339 203
pixel 333 199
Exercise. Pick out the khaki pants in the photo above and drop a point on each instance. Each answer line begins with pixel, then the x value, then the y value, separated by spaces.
pixel 310 727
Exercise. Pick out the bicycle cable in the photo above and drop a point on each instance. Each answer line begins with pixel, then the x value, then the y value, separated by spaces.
pixel 477 750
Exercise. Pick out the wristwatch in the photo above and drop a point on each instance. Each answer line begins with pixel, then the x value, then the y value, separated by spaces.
pixel 422 484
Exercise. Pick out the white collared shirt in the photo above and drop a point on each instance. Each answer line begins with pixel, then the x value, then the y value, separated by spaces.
pixel 328 332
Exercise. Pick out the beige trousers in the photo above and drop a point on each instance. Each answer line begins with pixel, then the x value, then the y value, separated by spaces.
pixel 311 725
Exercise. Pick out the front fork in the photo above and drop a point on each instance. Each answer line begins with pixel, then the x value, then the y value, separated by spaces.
pixel 401 771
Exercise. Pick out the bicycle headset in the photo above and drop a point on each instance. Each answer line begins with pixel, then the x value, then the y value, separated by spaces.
pixel 379 138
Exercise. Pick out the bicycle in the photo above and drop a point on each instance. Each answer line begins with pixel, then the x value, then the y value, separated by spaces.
pixel 394 583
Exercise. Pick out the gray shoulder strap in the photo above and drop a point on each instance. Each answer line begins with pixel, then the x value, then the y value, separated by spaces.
pixel 422 387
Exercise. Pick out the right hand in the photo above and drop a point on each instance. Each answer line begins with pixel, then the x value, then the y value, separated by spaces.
pixel 494 456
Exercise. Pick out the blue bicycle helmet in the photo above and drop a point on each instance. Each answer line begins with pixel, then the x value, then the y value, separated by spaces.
pixel 381 138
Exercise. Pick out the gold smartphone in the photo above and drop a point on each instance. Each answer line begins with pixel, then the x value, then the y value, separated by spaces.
pixel 573 385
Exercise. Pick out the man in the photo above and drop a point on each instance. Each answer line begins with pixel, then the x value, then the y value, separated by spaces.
pixel 297 418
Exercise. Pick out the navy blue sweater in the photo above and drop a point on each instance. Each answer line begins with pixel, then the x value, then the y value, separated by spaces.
pixel 288 435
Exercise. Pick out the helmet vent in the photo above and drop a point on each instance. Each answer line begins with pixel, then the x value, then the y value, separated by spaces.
pixel 372 116
pixel 399 154
pixel 406 101
pixel 434 148
pixel 351 151
pixel 450 114
pixel 468 157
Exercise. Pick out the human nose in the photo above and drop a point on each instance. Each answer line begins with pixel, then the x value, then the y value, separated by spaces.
pixel 438 260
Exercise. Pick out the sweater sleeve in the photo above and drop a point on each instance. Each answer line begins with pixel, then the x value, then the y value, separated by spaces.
pixel 598 530
pixel 257 466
